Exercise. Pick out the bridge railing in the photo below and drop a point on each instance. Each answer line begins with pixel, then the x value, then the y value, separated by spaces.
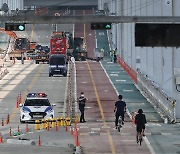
pixel 156 95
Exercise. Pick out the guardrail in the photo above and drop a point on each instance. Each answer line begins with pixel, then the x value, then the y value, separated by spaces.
pixel 164 103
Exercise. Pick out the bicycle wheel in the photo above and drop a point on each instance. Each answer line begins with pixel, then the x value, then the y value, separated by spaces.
pixel 119 129
pixel 140 139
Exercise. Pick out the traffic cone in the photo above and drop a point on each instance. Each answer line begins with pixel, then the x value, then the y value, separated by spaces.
pixel 27 130
pixel 7 121
pixel 2 122
pixel 39 141
pixel 77 141
pixel 66 128
pixel 18 129
pixel 20 98
pixel 10 132
pixel 71 130
pixel 17 103
pixel 56 126
pixel 1 138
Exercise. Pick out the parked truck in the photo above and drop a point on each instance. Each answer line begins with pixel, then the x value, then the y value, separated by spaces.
pixel 58 54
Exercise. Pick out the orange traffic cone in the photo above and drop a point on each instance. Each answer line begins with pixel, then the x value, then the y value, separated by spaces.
pixel 39 141
pixel 10 132
pixel 7 121
pixel 2 122
pixel 1 138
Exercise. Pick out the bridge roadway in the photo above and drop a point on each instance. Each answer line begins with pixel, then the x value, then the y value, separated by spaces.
pixel 101 83
pixel 97 134
pixel 25 78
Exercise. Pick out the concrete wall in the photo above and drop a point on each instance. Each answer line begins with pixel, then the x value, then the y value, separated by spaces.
pixel 157 63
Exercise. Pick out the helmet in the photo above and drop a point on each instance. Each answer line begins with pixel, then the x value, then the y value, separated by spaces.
pixel 140 111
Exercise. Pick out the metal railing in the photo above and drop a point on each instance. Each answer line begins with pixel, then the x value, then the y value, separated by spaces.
pixel 156 95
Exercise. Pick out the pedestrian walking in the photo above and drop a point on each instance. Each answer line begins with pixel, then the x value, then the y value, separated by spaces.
pixel 115 55
pixel 82 103
pixel 73 59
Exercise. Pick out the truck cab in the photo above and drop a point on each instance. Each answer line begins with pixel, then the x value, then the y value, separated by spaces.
pixel 58 65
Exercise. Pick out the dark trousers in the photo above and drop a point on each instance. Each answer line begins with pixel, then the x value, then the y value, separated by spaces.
pixel 117 117
pixel 82 116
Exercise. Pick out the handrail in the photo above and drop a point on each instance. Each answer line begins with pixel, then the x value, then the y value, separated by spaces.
pixel 163 102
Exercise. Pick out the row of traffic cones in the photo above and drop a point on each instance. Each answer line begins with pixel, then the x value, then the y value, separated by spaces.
pixel 7 120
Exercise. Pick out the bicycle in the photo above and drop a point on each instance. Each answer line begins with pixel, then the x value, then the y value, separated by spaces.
pixel 140 138
pixel 119 126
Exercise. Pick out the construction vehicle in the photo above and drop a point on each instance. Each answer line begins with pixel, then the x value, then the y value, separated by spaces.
pixel 42 54
pixel 21 46
pixel 79 52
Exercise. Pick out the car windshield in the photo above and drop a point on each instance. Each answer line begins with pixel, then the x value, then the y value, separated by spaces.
pixel 57 61
pixel 37 102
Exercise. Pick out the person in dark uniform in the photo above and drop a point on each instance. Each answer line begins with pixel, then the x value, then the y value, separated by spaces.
pixel 120 109
pixel 82 102
pixel 140 121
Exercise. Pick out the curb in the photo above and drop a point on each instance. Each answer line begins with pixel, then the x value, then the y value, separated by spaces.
pixel 21 141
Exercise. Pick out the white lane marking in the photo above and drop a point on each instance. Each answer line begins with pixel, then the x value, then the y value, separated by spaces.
pixel 114 72
pixel 120 80
pixel 88 107
pixel 114 75
pixel 106 91
pixel 149 145
pixel 128 90
pixel 83 82
pixel 95 129
pixel 153 124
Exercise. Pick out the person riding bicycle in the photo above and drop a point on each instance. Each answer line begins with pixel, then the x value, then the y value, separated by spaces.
pixel 120 109
pixel 140 121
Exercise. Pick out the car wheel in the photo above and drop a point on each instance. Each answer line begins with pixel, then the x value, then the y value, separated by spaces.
pixel 65 74
pixel 21 121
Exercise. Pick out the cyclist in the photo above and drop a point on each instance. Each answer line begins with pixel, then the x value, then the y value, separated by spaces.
pixel 140 121
pixel 120 109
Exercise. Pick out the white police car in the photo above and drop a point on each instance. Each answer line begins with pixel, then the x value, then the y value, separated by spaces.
pixel 36 107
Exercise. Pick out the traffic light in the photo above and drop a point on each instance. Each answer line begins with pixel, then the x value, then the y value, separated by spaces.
pixel 101 26
pixel 14 26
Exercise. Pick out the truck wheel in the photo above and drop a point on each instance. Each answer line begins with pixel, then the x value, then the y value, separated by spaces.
pixel 49 74
pixel 37 62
